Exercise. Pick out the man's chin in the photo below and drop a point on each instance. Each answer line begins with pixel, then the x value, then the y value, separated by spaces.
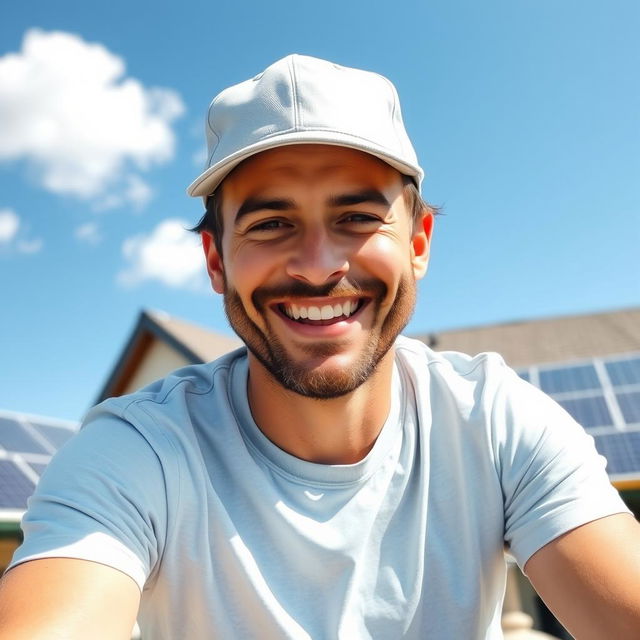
pixel 325 359
pixel 319 384
pixel 323 378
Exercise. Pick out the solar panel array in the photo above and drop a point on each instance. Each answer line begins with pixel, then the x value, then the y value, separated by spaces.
pixel 26 446
pixel 603 395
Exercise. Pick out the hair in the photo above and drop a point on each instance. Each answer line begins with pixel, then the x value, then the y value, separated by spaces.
pixel 212 219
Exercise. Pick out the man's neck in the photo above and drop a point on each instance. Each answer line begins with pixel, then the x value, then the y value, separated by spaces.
pixel 336 431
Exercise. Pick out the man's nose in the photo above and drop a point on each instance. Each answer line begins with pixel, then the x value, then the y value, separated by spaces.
pixel 317 260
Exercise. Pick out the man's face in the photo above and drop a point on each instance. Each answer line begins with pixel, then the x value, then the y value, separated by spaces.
pixel 319 265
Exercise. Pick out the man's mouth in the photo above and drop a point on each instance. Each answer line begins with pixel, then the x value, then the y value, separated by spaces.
pixel 321 314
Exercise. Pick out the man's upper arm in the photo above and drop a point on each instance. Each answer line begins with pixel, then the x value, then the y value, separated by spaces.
pixel 67 598
pixel 590 578
pixel 94 530
pixel 101 499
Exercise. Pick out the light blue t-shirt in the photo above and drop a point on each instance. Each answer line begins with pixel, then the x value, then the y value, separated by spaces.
pixel 229 536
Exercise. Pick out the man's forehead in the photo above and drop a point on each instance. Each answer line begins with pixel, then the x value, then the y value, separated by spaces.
pixel 308 162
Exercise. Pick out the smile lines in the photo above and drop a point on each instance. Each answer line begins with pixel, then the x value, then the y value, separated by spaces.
pixel 324 312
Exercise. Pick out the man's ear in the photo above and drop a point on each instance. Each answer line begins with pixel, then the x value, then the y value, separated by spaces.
pixel 421 243
pixel 215 268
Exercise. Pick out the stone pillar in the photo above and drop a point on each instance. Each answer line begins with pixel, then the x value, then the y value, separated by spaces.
pixel 516 624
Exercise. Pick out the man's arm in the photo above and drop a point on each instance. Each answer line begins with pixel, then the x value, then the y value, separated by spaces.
pixel 66 598
pixel 590 578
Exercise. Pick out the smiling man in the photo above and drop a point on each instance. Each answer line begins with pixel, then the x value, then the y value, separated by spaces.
pixel 318 268
pixel 332 479
pixel 322 259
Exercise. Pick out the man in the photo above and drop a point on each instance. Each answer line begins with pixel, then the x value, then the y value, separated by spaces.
pixel 334 480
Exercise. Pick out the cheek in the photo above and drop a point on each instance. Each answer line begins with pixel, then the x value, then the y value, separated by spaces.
pixel 246 270
pixel 386 258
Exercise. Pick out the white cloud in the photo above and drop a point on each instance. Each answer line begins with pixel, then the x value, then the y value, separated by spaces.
pixel 134 190
pixel 67 107
pixel 9 225
pixel 13 236
pixel 89 233
pixel 138 192
pixel 169 254
pixel 32 245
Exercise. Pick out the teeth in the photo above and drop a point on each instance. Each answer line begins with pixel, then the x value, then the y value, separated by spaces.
pixel 326 312
pixel 314 313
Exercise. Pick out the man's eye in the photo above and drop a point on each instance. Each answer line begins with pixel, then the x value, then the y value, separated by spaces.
pixel 268 225
pixel 360 218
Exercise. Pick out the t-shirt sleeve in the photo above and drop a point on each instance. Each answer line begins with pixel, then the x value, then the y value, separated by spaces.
pixel 101 498
pixel 553 478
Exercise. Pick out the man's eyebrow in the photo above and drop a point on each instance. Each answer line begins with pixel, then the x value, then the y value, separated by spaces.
pixel 359 197
pixel 252 204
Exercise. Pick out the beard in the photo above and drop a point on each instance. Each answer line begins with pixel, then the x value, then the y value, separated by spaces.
pixel 301 376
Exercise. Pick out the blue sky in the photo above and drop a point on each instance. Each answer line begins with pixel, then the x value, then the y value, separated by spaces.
pixel 525 115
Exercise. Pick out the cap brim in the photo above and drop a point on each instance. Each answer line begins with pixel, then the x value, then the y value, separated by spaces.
pixel 207 182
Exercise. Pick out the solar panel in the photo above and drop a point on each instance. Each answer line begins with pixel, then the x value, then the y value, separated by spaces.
pixel 574 378
pixel 29 443
pixel 16 487
pixel 629 405
pixel 622 451
pixel 57 436
pixel 603 395
pixel 38 467
pixel 13 437
pixel 589 412
pixel 623 372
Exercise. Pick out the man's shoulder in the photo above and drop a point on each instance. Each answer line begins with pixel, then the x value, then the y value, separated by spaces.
pixel 166 394
pixel 415 353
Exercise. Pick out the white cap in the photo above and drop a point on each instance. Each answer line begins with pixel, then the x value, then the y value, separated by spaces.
pixel 304 100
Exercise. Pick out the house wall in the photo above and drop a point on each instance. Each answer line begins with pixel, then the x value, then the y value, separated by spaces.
pixel 7 547
pixel 158 360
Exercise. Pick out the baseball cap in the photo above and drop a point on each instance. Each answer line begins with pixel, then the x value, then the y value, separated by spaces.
pixel 305 100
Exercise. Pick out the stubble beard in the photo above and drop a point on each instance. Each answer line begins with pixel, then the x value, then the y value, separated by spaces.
pixel 298 375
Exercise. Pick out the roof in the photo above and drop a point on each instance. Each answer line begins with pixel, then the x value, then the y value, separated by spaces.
pixel 543 340
pixel 200 344
pixel 195 343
